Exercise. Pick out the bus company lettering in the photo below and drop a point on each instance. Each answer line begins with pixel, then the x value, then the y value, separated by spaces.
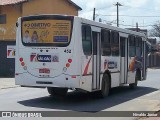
pixel 44 58
pixel 33 57
pixel 110 64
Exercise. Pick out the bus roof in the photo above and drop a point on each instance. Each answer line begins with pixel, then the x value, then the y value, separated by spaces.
pixel 101 25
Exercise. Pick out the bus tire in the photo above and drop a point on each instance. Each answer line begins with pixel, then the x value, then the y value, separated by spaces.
pixel 105 86
pixel 134 85
pixel 57 92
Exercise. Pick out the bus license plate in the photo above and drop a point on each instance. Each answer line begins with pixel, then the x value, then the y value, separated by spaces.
pixel 44 70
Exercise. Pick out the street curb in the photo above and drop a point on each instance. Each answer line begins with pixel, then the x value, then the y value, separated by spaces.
pixel 9 87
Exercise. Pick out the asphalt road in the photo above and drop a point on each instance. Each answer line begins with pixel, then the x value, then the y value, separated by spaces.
pixel 146 97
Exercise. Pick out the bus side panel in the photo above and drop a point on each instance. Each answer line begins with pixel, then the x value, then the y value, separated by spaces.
pixel 86 65
pixel 86 70
pixel 113 65
pixel 86 83
pixel 115 80
pixel 75 69
pixel 18 68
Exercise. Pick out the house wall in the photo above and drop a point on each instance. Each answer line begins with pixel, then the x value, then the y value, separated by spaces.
pixel 8 30
pixel 49 7
pixel 7 63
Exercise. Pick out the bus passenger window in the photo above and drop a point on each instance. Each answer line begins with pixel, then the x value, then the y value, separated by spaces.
pixel 115 43
pixel 105 43
pixel 132 47
pixel 86 40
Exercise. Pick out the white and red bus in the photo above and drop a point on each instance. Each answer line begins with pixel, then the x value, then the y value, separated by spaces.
pixel 68 52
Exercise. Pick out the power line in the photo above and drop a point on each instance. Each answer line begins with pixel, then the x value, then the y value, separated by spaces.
pixel 130 15
pixel 97 9
pixel 141 8
pixel 133 25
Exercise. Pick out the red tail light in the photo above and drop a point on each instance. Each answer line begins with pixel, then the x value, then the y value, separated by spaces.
pixel 21 59
pixel 67 65
pixel 70 60
pixel 23 64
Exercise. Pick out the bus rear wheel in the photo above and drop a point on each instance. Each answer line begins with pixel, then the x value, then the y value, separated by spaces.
pixel 105 86
pixel 57 92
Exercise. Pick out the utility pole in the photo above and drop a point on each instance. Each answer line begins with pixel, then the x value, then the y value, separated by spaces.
pixel 137 27
pixel 118 4
pixel 94 14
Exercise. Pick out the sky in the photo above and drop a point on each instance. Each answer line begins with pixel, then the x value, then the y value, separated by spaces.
pixel 145 12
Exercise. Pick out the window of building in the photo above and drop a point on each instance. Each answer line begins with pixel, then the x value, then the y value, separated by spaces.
pixel 105 43
pixel 3 19
pixel 132 46
pixel 115 43
pixel 86 40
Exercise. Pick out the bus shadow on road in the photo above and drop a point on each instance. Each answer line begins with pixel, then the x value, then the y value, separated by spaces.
pixel 88 102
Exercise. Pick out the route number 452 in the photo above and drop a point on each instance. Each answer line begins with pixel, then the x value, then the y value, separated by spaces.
pixel 67 51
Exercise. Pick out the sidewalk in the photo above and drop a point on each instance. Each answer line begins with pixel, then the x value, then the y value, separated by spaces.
pixel 7 83
pixel 156 109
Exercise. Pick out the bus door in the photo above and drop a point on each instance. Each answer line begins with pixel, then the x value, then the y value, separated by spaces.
pixel 96 58
pixel 123 59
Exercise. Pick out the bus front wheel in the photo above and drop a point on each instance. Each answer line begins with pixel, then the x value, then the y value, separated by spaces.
pixel 57 92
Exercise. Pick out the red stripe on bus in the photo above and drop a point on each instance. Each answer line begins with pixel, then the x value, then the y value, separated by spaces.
pixel 32 57
pixel 9 51
pixel 86 68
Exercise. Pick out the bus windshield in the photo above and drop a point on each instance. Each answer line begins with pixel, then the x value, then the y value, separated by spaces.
pixel 42 31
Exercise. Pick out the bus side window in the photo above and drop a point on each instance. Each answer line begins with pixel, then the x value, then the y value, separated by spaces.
pixel 132 46
pixel 138 46
pixel 86 40
pixel 115 43
pixel 105 43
